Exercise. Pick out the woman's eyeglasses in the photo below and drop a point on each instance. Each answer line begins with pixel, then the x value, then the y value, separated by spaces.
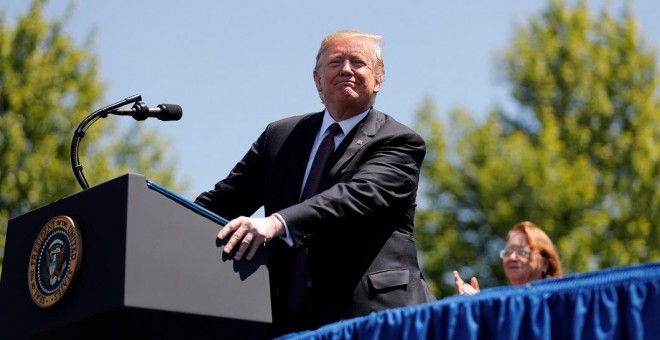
pixel 522 253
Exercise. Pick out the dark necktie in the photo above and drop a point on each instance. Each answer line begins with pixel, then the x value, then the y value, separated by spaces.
pixel 323 154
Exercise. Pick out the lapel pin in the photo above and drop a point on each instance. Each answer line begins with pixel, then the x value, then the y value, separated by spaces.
pixel 359 142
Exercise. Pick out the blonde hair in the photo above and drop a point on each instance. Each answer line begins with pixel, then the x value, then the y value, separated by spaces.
pixel 539 241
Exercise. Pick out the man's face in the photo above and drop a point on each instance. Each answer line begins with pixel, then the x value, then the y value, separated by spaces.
pixel 346 75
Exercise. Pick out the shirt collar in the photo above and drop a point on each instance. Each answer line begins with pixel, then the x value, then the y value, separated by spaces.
pixel 346 125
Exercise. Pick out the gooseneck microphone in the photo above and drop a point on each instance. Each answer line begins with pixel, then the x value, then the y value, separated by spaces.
pixel 139 111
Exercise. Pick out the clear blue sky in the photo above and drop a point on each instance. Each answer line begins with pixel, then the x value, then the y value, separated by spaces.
pixel 235 66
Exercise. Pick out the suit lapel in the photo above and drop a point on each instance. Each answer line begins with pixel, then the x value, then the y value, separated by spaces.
pixel 299 146
pixel 363 133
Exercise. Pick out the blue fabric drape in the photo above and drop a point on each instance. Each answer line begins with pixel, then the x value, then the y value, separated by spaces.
pixel 616 303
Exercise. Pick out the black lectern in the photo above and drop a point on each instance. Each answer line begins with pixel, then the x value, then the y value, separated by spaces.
pixel 147 265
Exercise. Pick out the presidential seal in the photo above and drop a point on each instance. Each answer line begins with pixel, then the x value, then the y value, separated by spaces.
pixel 54 260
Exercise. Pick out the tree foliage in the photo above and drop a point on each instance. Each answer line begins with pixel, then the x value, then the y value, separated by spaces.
pixel 48 85
pixel 580 157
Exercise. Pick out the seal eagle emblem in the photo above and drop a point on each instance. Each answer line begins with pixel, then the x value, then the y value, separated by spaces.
pixel 54 260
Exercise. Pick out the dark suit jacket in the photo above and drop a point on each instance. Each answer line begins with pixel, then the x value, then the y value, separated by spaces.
pixel 358 230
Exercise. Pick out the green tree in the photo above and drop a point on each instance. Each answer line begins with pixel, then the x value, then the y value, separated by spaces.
pixel 580 156
pixel 48 85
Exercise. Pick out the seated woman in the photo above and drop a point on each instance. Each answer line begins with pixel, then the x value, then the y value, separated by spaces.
pixel 529 256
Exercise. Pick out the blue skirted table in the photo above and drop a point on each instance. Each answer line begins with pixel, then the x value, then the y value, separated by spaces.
pixel 615 303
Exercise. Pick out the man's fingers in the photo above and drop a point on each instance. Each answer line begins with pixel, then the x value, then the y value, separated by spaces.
pixel 243 247
pixel 226 230
pixel 245 233
pixel 253 250
pixel 234 240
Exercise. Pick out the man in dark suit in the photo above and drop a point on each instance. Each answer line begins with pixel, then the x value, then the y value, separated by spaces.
pixel 353 232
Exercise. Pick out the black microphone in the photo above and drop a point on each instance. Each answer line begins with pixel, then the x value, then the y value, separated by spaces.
pixel 140 111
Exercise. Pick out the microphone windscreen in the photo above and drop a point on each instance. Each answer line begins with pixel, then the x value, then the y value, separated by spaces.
pixel 170 112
